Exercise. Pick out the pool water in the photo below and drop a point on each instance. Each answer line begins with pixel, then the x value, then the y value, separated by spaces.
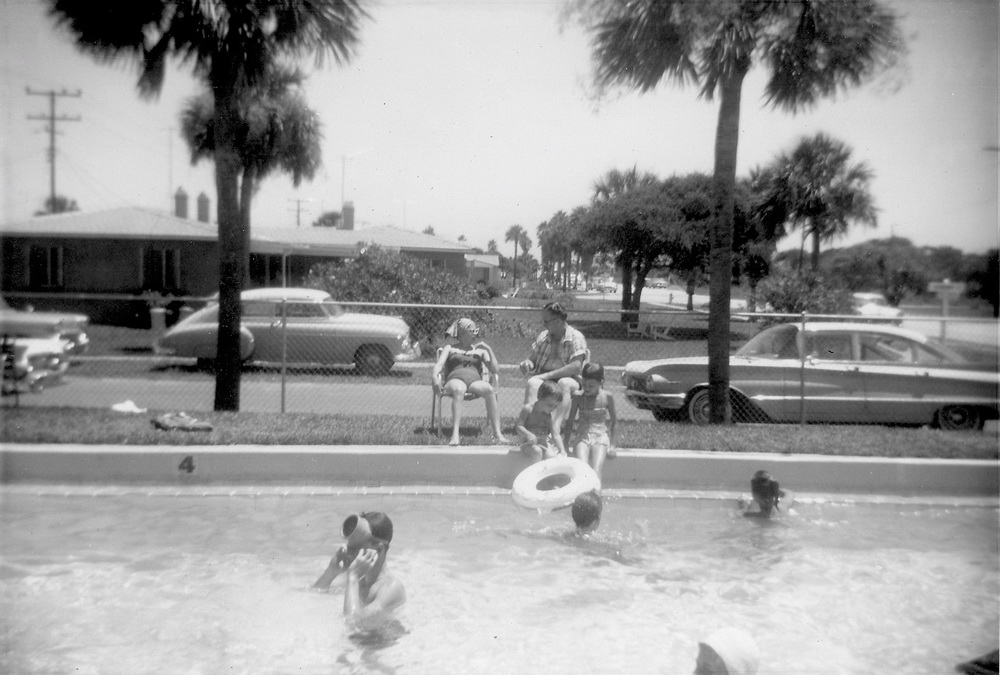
pixel 146 583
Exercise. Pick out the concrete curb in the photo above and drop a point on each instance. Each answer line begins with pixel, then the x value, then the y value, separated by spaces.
pixel 482 466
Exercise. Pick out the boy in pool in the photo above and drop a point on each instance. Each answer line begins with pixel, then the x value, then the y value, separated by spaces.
pixel 587 509
pixel 369 588
pixel 767 497
pixel 729 651
pixel 536 424
pixel 593 416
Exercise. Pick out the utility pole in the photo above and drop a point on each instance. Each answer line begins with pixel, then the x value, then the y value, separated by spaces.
pixel 51 118
pixel 298 209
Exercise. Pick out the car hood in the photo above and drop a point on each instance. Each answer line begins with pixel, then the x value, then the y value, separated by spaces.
pixel 39 323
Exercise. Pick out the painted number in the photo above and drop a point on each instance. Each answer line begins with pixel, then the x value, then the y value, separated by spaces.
pixel 187 464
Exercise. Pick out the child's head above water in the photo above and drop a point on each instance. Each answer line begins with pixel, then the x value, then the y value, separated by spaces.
pixel 587 509
pixel 764 488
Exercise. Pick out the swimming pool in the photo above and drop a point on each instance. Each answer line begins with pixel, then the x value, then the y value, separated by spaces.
pixel 142 582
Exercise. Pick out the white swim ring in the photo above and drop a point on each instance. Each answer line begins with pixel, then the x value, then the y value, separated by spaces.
pixel 582 478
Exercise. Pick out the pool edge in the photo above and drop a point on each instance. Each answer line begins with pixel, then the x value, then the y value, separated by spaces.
pixel 483 466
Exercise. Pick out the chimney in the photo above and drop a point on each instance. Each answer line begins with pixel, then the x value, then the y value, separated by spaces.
pixel 348 216
pixel 181 203
pixel 203 208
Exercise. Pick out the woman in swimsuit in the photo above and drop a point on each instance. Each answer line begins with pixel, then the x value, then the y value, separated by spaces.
pixel 459 369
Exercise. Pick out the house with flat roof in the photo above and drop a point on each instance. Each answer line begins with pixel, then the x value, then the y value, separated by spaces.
pixel 132 252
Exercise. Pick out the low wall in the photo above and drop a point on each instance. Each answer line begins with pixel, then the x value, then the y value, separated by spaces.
pixel 378 466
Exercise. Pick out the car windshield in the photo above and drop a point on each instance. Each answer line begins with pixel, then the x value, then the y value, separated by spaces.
pixel 777 342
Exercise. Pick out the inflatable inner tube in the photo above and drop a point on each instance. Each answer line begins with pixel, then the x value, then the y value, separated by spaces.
pixel 526 492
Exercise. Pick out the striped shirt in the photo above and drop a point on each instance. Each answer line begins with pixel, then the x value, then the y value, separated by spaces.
pixel 572 345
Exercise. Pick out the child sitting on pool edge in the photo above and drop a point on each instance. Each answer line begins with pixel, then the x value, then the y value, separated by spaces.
pixel 767 497
pixel 593 414
pixel 537 427
pixel 587 509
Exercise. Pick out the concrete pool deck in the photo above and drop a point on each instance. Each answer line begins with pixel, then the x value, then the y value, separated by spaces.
pixel 484 468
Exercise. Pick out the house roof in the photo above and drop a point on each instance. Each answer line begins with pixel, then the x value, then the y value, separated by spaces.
pixel 123 223
pixel 143 223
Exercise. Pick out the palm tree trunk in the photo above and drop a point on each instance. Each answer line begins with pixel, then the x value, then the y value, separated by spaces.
pixel 721 259
pixel 232 249
pixel 815 251
pixel 514 262
pixel 246 195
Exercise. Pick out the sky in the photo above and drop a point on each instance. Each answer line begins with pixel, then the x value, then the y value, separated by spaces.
pixel 470 116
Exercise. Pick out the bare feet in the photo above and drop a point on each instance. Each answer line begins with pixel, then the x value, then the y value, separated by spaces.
pixel 500 438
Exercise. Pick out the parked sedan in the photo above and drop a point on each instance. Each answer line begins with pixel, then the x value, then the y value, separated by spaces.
pixel 296 325
pixel 30 324
pixel 875 307
pixel 830 372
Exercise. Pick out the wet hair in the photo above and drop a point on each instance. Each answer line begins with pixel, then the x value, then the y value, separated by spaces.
pixel 587 509
pixel 592 371
pixel 380 525
pixel 548 389
pixel 762 485
pixel 556 309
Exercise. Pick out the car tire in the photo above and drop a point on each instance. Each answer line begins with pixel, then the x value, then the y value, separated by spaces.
pixel 959 418
pixel 373 360
pixel 698 408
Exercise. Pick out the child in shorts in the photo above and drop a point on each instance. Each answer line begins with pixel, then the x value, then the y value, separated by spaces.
pixel 537 427
pixel 592 415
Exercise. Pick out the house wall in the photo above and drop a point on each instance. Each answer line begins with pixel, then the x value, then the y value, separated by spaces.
pixel 106 266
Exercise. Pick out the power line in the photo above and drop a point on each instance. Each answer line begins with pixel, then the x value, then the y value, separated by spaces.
pixel 52 118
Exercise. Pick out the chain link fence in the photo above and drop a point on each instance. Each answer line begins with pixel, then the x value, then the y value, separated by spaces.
pixel 364 359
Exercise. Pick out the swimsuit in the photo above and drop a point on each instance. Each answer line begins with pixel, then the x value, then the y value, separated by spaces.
pixel 464 366
pixel 592 425
pixel 540 424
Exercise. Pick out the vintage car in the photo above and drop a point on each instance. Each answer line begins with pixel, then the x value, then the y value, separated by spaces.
pixel 296 326
pixel 875 307
pixel 30 363
pixel 31 324
pixel 854 373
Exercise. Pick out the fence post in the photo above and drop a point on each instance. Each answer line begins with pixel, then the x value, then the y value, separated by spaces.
pixel 802 374
pixel 284 345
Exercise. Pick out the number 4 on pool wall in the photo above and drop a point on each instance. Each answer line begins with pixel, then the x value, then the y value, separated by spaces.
pixel 187 464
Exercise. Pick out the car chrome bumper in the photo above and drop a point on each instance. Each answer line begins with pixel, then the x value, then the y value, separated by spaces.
pixel 411 354
pixel 647 401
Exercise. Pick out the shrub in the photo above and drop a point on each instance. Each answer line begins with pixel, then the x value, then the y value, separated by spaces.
pixel 794 292
pixel 380 275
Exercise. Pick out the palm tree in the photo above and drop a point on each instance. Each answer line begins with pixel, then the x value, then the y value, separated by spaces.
pixel 811 48
pixel 491 246
pixel 516 234
pixel 230 43
pixel 278 129
pixel 822 192
pixel 617 185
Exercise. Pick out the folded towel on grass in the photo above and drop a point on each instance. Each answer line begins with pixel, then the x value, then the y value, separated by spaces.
pixel 180 422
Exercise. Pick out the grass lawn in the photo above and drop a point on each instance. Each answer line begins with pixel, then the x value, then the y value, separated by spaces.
pixel 90 426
